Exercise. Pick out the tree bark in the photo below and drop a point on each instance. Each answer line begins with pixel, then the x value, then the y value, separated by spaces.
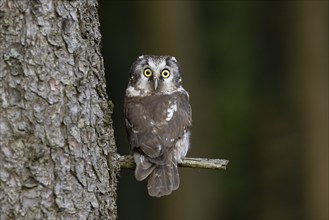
pixel 57 149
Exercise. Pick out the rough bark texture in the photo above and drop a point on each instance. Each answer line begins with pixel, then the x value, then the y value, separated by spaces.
pixel 57 149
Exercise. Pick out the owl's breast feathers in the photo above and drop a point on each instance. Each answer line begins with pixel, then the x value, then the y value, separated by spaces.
pixel 155 123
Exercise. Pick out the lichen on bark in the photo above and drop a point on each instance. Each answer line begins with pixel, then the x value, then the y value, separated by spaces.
pixel 57 148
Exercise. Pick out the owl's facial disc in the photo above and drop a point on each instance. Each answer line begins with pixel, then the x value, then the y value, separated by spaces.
pixel 154 75
pixel 158 80
pixel 161 73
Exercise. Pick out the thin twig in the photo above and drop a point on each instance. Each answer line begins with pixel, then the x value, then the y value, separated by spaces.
pixel 127 162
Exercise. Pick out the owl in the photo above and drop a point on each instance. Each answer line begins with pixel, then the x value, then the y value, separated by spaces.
pixel 158 118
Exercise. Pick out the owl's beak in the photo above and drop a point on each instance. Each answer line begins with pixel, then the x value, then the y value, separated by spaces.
pixel 155 83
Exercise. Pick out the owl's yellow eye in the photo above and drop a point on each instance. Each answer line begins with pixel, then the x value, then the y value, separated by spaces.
pixel 147 72
pixel 165 73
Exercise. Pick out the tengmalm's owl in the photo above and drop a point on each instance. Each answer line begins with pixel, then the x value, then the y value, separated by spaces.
pixel 158 118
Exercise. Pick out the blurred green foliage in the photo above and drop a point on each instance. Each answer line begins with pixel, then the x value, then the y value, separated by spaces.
pixel 257 73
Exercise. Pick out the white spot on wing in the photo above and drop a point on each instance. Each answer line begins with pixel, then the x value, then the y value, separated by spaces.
pixel 141 158
pixel 170 111
pixel 182 146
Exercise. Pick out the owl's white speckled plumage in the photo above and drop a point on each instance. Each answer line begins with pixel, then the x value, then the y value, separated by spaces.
pixel 158 119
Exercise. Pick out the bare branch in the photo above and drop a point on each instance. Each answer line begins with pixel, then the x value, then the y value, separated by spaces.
pixel 127 162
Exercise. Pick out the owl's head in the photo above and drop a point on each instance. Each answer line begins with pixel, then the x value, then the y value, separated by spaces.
pixel 150 75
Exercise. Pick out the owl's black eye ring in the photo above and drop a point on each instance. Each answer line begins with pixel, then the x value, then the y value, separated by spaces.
pixel 165 73
pixel 147 72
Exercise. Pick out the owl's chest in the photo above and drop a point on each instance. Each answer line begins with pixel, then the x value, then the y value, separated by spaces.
pixel 160 108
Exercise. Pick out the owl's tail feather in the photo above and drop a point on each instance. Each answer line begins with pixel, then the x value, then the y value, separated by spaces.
pixel 163 180
pixel 143 167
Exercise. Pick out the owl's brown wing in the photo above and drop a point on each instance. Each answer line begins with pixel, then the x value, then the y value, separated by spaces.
pixel 154 123
pixel 142 134
pixel 141 130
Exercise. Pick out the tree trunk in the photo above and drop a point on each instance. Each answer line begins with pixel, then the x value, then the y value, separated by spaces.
pixel 57 149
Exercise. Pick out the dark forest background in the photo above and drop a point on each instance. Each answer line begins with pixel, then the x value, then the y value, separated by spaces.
pixel 257 74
